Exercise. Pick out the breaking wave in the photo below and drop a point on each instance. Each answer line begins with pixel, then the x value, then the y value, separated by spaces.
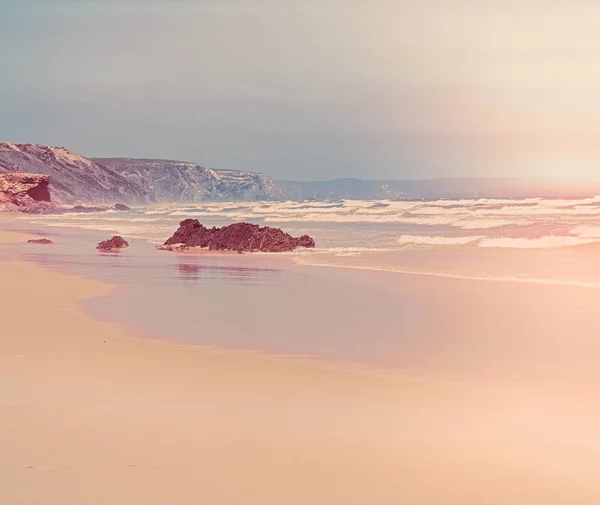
pixel 548 241
pixel 482 224
pixel 438 240
pixel 467 214
pixel 586 231
pixel 343 251
pixel 397 225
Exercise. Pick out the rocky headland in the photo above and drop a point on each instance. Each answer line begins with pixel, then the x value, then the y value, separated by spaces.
pixel 23 192
pixel 30 193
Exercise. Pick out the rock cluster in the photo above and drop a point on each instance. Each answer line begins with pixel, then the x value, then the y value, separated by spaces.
pixel 114 244
pixel 240 237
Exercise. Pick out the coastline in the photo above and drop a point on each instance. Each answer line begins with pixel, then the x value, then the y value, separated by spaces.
pixel 91 413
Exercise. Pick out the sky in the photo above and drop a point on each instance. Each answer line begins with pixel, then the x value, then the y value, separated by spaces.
pixel 310 90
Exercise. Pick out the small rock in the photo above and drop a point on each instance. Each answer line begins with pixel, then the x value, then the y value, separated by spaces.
pixel 114 244
pixel 121 207
pixel 40 241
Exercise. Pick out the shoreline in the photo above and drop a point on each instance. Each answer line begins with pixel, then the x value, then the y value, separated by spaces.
pixel 298 259
pixel 92 413
pixel 131 331
pixel 270 261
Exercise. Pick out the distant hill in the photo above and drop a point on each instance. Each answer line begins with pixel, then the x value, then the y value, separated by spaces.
pixel 453 188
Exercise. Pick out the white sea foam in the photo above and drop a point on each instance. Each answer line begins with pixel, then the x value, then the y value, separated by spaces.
pixel 437 240
pixel 548 241
pixel 538 211
pixel 343 251
pixel 466 214
pixel 416 223
pixel 157 212
pixel 569 203
pixel 436 210
pixel 184 213
pixel 333 218
pixel 482 224
pixel 586 231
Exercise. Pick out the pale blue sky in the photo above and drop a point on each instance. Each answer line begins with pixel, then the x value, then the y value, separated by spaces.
pixel 312 89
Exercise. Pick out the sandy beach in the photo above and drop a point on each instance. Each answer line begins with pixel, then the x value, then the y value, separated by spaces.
pixel 93 414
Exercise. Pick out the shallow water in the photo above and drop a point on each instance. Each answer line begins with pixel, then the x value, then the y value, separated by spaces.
pixel 546 241
pixel 441 323
pixel 260 302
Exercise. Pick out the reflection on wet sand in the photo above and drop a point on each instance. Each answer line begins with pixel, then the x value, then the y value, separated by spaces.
pixel 194 272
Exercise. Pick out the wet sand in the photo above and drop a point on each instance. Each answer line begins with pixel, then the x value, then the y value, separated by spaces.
pixel 92 414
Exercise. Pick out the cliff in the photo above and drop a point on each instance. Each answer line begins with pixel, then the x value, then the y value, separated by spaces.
pixel 170 181
pixel 73 178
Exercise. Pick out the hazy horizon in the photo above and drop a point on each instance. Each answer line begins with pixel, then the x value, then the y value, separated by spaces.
pixel 312 91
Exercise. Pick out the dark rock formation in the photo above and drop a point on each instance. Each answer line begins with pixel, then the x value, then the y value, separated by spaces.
pixel 240 237
pixel 114 244
pixel 40 241
pixel 22 192
pixel 121 207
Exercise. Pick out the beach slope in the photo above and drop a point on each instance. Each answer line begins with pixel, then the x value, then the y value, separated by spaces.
pixel 92 414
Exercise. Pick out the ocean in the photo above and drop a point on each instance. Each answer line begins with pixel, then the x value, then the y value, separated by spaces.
pixel 530 240
pixel 388 282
